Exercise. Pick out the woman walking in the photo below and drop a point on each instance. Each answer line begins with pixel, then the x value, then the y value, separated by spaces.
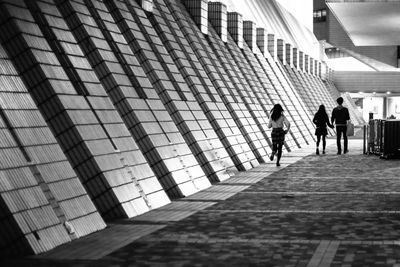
pixel 277 120
pixel 321 120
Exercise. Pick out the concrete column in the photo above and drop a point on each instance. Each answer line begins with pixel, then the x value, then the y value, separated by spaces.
pixel 324 74
pixel 301 61
pixel 295 58
pixel 322 46
pixel 147 5
pixel 262 40
pixel 250 34
pixel 289 53
pixel 199 11
pixel 235 27
pixel 272 45
pixel 306 63
pixel 327 71
pixel 280 50
pixel 311 68
pixel 385 104
pixel 315 67
pixel 320 69
pixel 218 17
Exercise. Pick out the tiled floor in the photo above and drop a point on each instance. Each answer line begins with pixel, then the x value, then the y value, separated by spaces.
pixel 326 210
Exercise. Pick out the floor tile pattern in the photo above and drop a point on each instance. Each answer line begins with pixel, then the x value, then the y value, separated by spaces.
pixel 326 210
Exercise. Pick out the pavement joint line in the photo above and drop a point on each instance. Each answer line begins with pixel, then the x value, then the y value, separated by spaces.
pixel 329 254
pixel 328 244
pixel 307 211
pixel 318 254
pixel 335 177
pixel 327 168
pixel 321 193
pixel 242 183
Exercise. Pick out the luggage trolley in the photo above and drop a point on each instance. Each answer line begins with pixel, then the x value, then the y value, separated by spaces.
pixel 374 136
pixel 390 143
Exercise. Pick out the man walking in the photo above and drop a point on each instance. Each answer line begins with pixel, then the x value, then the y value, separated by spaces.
pixel 340 116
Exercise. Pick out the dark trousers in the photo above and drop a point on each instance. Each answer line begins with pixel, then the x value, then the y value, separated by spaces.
pixel 339 131
pixel 323 141
pixel 277 147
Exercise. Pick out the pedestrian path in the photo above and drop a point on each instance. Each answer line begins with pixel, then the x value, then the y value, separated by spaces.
pixel 325 210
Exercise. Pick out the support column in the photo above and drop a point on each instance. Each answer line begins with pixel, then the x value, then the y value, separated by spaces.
pixel 301 61
pixel 272 45
pixel 199 11
pixel 320 69
pixel 316 70
pixel 262 40
pixel 218 17
pixel 280 50
pixel 235 27
pixel 384 110
pixel 324 73
pixel 147 5
pixel 250 34
pixel 289 53
pixel 295 58
pixel 306 63
pixel 330 76
pixel 311 68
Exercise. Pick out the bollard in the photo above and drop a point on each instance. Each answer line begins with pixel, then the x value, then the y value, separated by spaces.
pixel 364 138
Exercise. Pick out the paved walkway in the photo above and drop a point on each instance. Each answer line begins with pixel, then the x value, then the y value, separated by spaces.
pixel 326 210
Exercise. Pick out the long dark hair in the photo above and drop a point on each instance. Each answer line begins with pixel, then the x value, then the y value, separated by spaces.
pixel 321 111
pixel 276 112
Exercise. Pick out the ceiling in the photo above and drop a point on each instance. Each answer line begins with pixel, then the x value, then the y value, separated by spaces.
pixel 368 81
pixel 372 23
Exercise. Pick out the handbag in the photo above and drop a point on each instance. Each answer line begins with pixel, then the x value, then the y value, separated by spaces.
pixel 350 129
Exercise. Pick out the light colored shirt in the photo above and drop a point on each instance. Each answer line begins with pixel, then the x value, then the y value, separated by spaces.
pixel 279 123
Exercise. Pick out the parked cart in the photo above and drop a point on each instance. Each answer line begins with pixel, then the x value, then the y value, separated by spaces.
pixel 382 138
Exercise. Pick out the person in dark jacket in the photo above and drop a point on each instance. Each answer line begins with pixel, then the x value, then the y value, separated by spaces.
pixel 340 116
pixel 321 120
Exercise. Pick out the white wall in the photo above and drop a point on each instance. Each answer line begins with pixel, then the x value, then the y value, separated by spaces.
pixel 374 105
pixel 302 10
pixel 393 106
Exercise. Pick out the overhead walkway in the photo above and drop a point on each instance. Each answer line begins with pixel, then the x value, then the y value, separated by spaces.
pixel 325 210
